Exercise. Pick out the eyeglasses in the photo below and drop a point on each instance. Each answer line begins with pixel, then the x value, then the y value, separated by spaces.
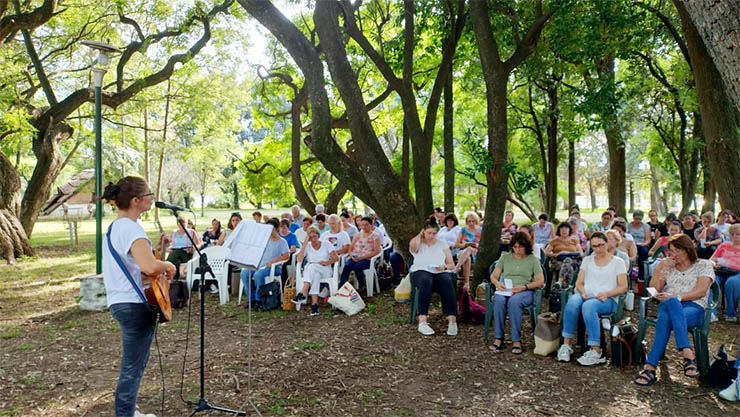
pixel 145 195
pixel 600 245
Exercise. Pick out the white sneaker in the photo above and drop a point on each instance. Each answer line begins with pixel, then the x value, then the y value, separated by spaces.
pixel 714 318
pixel 425 329
pixel 452 328
pixel 138 413
pixel 730 393
pixel 591 358
pixel 564 353
pixel 731 319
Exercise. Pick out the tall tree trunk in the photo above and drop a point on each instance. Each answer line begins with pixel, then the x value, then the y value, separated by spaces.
pixel 335 197
pixel 656 199
pixel 720 117
pixel 551 177
pixel 235 193
pixel 718 26
pixel 614 140
pixel 449 149
pixel 571 173
pixel 13 239
pixel 405 157
pixel 592 194
pixel 295 150
pixel 48 163
pixel 162 151
pixel 632 196
pixel 710 193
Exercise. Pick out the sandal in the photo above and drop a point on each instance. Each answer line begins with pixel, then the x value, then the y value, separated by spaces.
pixel 689 368
pixel 646 378
pixel 496 348
pixel 516 350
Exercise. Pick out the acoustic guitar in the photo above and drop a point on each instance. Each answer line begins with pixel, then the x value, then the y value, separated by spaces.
pixel 157 289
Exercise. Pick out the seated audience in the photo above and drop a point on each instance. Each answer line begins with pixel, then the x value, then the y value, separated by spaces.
pixel 507 231
pixel 319 210
pixel 562 244
pixel 602 278
pixel 627 244
pixel 293 226
pixel 431 270
pixel 276 250
pixel 641 233
pixel 337 237
pixel 181 248
pixel 319 255
pixel 582 225
pixel 290 238
pixel 577 235
pixel 212 235
pixel 613 238
pixel 439 215
pixel 364 246
pixel 257 216
pixel 689 225
pixel 526 275
pixel 297 216
pixel 707 237
pixel 669 219
pixel 604 225
pixel 655 225
pixel 662 242
pixel 233 222
pixel 682 282
pixel 544 231
pixel 302 233
pixel 536 247
pixel 449 232
pixel 467 242
pixel 727 259
pixel 321 223
pixel 723 224
pixel 347 225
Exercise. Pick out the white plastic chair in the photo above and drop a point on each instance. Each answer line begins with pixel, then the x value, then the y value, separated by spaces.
pixel 331 280
pixel 220 266
pixel 268 279
pixel 371 278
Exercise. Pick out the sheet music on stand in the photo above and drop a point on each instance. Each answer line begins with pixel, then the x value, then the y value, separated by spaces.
pixel 247 243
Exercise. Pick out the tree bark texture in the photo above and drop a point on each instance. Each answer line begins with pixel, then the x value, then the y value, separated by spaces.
pixel 449 149
pixel 48 163
pixel 615 143
pixel 720 118
pixel 13 239
pixel 571 173
pixel 718 24
pixel 551 176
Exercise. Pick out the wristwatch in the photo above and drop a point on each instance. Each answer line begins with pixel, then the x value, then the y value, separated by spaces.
pixel 679 297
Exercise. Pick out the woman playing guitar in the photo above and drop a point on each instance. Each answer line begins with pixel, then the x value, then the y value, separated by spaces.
pixel 132 197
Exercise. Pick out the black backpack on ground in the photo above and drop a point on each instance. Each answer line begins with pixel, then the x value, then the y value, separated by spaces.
pixel 270 296
pixel 723 371
pixel 178 294
pixel 623 344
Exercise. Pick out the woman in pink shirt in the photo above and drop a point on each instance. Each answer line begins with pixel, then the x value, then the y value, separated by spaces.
pixel 727 260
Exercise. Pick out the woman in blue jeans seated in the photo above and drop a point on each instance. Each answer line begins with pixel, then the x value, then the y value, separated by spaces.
pixel 432 262
pixel 276 250
pixel 682 282
pixel 365 244
pixel 129 241
pixel 602 278
pixel 727 259
pixel 525 273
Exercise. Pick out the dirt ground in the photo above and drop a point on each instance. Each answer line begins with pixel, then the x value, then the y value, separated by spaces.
pixel 58 360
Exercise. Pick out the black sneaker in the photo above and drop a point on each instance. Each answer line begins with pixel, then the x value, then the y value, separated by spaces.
pixel 299 299
pixel 314 309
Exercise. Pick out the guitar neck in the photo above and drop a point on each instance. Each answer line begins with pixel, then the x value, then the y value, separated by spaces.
pixel 163 247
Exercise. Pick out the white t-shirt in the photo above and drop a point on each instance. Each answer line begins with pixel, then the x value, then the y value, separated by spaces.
pixel 601 278
pixel 300 234
pixel 338 240
pixel 118 289
pixel 429 257
pixel 536 251
pixel 448 235
pixel 318 255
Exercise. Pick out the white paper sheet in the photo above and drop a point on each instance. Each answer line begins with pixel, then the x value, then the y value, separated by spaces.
pixel 248 243
pixel 509 285
pixel 652 291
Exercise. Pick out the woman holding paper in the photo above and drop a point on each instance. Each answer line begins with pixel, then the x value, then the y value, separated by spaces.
pixel 602 278
pixel 682 283
pixel 432 262
pixel 515 277
pixel 319 255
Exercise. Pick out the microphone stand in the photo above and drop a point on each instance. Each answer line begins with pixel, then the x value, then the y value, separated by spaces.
pixel 203 267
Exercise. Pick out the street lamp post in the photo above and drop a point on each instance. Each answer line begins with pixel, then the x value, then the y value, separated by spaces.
pixel 98 71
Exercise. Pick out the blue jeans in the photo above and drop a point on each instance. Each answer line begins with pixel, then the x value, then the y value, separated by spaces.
pixel 732 295
pixel 515 305
pixel 590 309
pixel 137 330
pixel 396 264
pixel 259 277
pixel 676 316
pixel 358 267
pixel 444 282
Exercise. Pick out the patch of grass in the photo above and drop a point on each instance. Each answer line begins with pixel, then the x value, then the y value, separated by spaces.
pixel 24 347
pixel 365 358
pixel 371 308
pixel 71 324
pixel 309 345
pixel 12 334
pixel 368 398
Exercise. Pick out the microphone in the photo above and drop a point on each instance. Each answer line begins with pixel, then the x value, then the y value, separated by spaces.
pixel 163 205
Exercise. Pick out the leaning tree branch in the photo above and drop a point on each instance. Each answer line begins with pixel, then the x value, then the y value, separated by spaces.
pixel 26 21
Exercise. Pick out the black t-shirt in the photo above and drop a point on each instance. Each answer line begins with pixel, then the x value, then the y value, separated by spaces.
pixel 690 232
pixel 658 226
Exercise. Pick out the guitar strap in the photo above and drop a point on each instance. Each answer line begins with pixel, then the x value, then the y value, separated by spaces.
pixel 119 261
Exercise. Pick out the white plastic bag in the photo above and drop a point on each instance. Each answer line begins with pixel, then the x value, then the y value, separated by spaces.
pixel 403 290
pixel 347 299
